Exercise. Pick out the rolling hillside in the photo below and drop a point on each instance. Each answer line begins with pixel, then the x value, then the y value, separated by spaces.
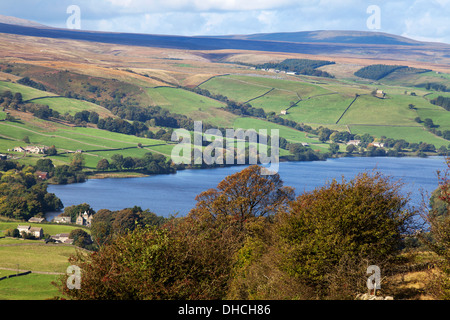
pixel 144 78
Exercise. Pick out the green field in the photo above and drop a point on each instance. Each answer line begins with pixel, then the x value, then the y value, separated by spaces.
pixel 371 110
pixel 47 259
pixel 29 287
pixel 322 109
pixel 27 92
pixel 95 143
pixel 72 106
pixel 235 88
pixel 289 134
pixel 276 100
pixel 188 103
pixel 36 257
pixel 245 88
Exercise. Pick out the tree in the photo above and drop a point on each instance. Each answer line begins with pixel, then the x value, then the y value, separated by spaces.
pixel 93 117
pixel 244 195
pixel 324 134
pixel 80 238
pixel 339 226
pixel 117 161
pixel 45 165
pixel 152 264
pixel 334 148
pixel 103 165
pixel 77 162
pixel 350 148
pixel 128 163
pixel 429 123
pixel 335 137
pixel 52 151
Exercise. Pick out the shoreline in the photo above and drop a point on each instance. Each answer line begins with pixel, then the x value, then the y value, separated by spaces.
pixel 125 174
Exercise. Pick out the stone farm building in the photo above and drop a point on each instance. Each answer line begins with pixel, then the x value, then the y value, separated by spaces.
pixel 37 232
pixel 62 219
pixel 62 238
pixel 36 220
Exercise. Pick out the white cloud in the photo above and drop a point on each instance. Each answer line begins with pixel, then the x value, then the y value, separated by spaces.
pixel 428 20
pixel 137 6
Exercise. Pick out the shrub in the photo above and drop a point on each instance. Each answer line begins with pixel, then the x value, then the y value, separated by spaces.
pixel 342 226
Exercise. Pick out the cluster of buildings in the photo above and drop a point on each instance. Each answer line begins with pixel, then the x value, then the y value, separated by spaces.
pixel 357 142
pixel 30 149
pixel 276 71
pixel 83 219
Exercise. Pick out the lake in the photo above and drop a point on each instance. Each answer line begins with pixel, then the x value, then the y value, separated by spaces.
pixel 175 193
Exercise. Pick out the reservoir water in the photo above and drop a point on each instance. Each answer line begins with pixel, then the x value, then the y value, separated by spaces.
pixel 175 193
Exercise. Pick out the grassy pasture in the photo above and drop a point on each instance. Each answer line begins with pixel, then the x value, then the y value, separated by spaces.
pixel 391 111
pixel 324 109
pixel 27 92
pixel 36 257
pixel 95 143
pixel 235 88
pixel 245 88
pixel 72 106
pixel 29 287
pixel 289 134
pixel 275 100
pixel 188 103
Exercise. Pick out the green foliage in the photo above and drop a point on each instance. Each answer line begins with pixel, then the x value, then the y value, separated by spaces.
pixel 300 66
pixel 341 224
pixel 376 71
pixel 444 102
pixel 21 195
pixel 31 83
pixel 106 224
pixel 81 238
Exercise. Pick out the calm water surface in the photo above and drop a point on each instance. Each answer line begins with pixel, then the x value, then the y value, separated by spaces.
pixel 175 193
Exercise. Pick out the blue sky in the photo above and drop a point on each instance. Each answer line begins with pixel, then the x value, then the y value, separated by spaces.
pixel 417 19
